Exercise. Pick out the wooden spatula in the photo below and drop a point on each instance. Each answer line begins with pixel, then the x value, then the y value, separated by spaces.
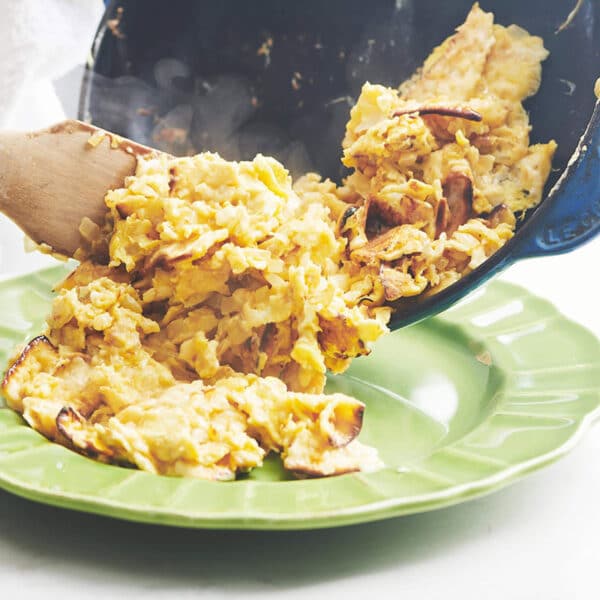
pixel 51 179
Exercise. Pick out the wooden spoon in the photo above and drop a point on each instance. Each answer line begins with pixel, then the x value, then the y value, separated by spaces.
pixel 51 179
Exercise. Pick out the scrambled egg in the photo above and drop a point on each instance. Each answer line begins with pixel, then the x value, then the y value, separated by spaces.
pixel 442 165
pixel 195 335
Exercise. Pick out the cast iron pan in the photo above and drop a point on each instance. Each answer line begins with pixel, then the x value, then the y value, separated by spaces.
pixel 279 77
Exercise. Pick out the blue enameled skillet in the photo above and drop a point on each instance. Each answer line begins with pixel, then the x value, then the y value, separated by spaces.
pixel 279 77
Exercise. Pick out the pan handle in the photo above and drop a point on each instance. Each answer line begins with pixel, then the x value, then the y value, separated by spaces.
pixel 570 215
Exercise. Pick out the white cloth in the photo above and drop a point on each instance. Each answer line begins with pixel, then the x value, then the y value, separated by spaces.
pixel 40 41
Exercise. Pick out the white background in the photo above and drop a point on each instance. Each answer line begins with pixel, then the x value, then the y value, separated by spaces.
pixel 537 539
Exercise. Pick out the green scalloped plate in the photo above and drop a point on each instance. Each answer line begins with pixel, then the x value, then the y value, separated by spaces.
pixel 458 406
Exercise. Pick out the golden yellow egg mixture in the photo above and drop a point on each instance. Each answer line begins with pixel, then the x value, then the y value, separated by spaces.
pixel 203 342
pixel 195 335
pixel 443 164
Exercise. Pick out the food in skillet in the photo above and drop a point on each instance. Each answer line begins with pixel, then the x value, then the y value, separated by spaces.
pixel 443 166
pixel 195 335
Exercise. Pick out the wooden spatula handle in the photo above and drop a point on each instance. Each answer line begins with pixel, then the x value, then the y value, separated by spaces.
pixel 51 179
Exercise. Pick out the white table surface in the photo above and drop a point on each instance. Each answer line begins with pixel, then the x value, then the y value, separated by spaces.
pixel 537 539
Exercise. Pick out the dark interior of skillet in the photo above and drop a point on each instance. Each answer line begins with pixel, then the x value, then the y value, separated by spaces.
pixel 280 77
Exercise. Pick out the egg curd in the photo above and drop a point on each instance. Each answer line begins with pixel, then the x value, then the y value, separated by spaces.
pixel 203 341
pixel 443 166
pixel 195 335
